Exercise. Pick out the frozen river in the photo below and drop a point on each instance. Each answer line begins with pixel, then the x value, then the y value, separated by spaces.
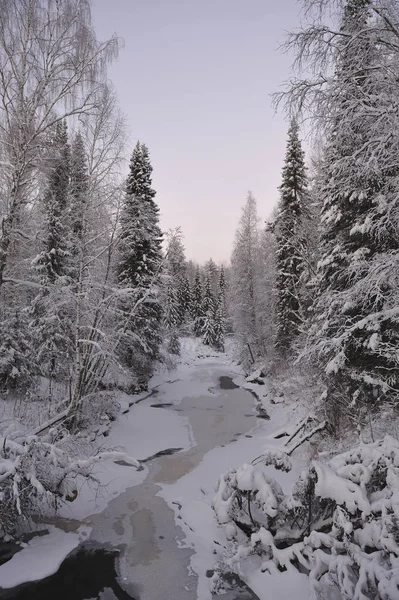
pixel 136 547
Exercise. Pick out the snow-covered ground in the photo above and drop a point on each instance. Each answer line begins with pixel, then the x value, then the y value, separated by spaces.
pixel 40 557
pixel 213 429
pixel 191 495
pixel 141 432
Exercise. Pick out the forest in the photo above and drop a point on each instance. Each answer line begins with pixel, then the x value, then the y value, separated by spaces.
pixel 97 304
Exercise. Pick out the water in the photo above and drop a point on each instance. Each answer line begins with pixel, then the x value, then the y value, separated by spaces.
pixel 144 556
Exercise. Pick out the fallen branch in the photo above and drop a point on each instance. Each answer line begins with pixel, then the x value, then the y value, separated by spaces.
pixel 300 426
pixel 307 437
pixel 47 424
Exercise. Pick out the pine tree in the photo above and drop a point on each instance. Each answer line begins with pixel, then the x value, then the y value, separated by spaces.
pixel 139 267
pixel 197 304
pixel 290 243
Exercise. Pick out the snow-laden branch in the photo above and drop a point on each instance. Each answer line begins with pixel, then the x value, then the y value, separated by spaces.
pixel 38 469
pixel 338 525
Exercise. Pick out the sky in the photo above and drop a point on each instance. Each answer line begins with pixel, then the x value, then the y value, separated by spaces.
pixel 194 80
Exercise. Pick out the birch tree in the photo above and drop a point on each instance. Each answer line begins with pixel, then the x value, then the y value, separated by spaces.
pixel 50 67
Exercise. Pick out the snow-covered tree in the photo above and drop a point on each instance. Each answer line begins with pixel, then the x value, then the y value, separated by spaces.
pixel 41 36
pixel 172 317
pixel 208 302
pixel 211 270
pixel 176 267
pixel 79 189
pixel 219 325
pixel 221 295
pixel 53 260
pixel 290 243
pixel 17 363
pixel 40 472
pixel 184 295
pixel 175 262
pixel 197 312
pixel 267 291
pixel 356 329
pixel 208 330
pixel 139 267
pixel 331 526
pixel 244 291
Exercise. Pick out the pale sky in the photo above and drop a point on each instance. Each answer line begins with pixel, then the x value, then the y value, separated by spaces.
pixel 194 80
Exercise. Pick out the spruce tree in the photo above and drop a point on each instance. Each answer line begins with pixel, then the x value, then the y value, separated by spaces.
pixel 222 291
pixel 209 327
pixel 176 267
pixel 290 243
pixel 50 314
pixel 219 326
pixel 197 302
pixel 208 309
pixel 354 334
pixel 208 303
pixel 212 271
pixel 52 262
pixel 79 189
pixel 184 295
pixel 174 346
pixel 140 259
pixel 172 318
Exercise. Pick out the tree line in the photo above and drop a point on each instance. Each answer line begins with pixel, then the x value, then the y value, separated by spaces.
pixel 318 285
pixel 88 293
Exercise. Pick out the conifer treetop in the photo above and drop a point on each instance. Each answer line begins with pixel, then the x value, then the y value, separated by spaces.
pixel 293 189
pixel 139 181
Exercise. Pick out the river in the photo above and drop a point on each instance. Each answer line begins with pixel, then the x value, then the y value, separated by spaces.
pixel 136 547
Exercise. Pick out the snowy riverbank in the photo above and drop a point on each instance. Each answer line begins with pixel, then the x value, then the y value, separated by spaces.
pixel 206 430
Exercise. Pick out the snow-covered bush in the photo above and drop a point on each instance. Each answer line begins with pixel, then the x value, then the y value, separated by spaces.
pixel 16 363
pixel 339 524
pixel 37 473
pixel 98 407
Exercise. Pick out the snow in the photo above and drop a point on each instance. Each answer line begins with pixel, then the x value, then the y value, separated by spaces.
pixel 257 457
pixel 140 433
pixel 343 491
pixel 144 431
pixel 41 557
pixel 281 586
pixel 195 491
